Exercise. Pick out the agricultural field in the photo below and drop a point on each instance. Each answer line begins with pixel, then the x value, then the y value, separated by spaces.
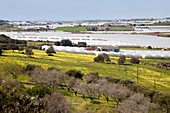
pixel 75 29
pixel 161 24
pixel 78 29
pixel 120 28
pixel 84 63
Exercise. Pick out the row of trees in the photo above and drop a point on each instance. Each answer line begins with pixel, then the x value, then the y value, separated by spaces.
pixel 124 92
pixel 162 65
pixel 107 87
pixel 6 43
pixel 104 58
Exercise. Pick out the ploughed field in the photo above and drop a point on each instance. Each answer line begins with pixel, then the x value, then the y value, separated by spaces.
pixel 149 76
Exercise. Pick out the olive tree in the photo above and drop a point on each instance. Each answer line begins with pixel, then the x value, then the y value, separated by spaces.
pixel 29 52
pixel 134 60
pixel 121 60
pixel 50 51
pixel 101 58
pixel 119 93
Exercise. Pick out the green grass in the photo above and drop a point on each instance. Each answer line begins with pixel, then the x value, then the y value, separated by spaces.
pixel 83 62
pixel 78 29
pixel 72 29
pixel 121 29
pixel 78 104
pixel 32 43
pixel 161 24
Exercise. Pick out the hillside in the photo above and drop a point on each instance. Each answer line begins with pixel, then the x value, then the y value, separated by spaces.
pixel 147 75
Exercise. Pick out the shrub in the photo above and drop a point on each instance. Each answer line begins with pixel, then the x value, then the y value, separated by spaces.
pixel 163 100
pixel 76 74
pixel 29 68
pixel 53 68
pixel 112 79
pixel 163 65
pixel 102 58
pixel 149 47
pixel 39 90
pixel 50 50
pixel 134 60
pixel 65 42
pixel 126 82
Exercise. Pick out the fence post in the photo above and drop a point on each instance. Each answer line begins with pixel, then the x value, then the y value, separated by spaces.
pixel 154 83
pixel 125 70
pixel 117 69
pixel 137 74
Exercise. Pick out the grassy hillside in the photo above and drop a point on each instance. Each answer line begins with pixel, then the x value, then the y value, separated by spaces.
pixel 72 29
pixel 83 62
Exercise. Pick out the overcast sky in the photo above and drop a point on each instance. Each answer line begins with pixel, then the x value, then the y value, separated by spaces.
pixel 65 10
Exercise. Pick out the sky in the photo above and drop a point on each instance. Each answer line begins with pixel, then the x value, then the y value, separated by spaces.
pixel 70 10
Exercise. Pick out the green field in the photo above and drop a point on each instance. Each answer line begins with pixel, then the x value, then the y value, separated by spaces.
pixel 121 29
pixel 72 29
pixel 161 24
pixel 78 29
pixel 35 43
pixel 84 63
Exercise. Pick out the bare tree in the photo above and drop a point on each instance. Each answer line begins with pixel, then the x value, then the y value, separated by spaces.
pixel 70 83
pixel 136 103
pixel 77 86
pixel 42 76
pixel 91 90
pixel 56 103
pixel 119 93
pixel 52 78
pixel 106 90
pixel 62 79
